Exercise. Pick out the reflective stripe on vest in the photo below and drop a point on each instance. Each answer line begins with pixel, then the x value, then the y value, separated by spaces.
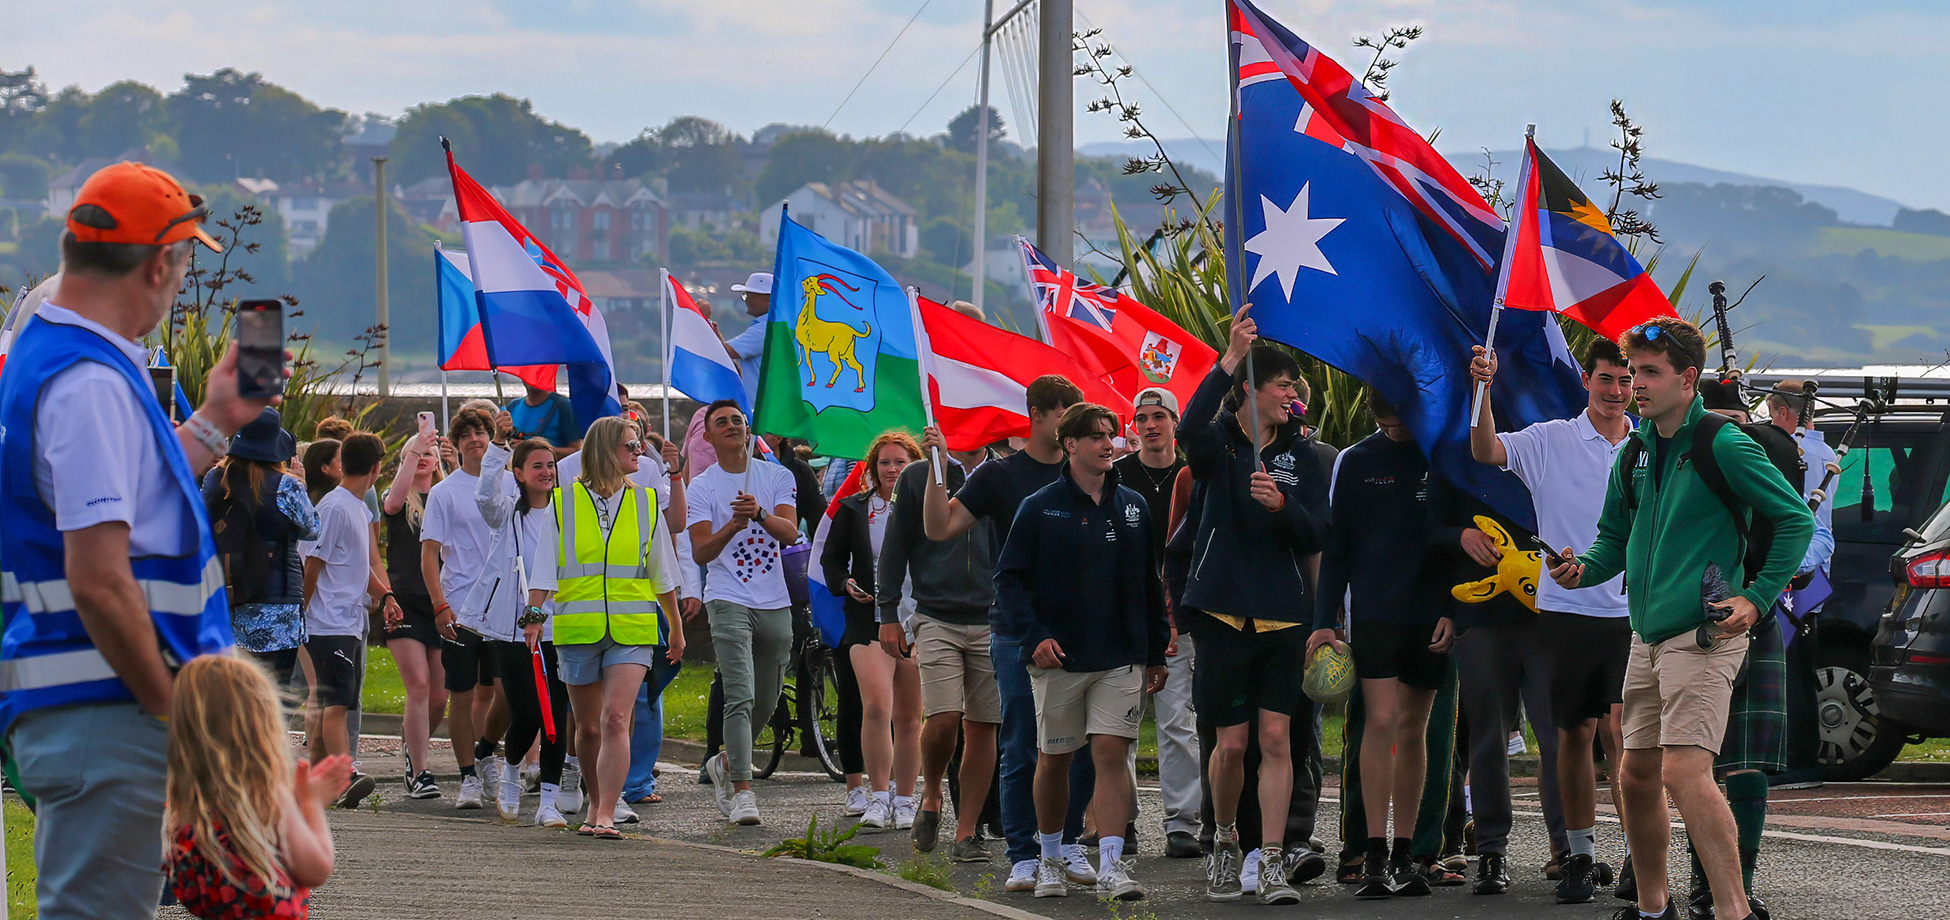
pixel 603 584
pixel 163 596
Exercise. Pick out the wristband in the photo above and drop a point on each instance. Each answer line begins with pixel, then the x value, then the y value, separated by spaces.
pixel 443 608
pixel 206 434
pixel 531 615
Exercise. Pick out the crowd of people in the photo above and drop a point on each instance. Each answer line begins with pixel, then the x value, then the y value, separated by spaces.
pixel 1006 608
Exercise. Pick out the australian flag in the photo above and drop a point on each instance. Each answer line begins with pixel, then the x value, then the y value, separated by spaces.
pixel 1360 245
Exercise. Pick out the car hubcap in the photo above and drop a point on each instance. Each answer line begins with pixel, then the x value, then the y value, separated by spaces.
pixel 1846 709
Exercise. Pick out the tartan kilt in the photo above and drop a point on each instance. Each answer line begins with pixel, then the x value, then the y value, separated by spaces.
pixel 1757 714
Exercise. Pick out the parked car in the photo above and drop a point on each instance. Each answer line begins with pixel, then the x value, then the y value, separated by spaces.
pixel 1910 668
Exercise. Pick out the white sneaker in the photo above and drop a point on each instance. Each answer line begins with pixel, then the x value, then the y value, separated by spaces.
pixel 470 793
pixel 624 814
pixel 1022 876
pixel 490 769
pixel 1516 746
pixel 904 814
pixel 1115 882
pixel 1049 878
pixel 721 788
pixel 531 778
pixel 508 803
pixel 1076 864
pixel 569 800
pixel 879 816
pixel 1249 874
pixel 856 801
pixel 549 816
pixel 744 809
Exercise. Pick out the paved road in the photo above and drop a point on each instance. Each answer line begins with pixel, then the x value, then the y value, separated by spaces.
pixel 1832 869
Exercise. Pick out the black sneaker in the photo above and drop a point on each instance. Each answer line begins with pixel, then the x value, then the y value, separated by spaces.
pixel 1628 882
pixel 422 786
pixel 1182 845
pixel 355 792
pixel 1574 884
pixel 1631 912
pixel 1303 866
pixel 1411 883
pixel 1374 881
pixel 1491 877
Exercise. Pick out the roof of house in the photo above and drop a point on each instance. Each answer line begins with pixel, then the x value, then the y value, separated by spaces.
pixel 864 198
pixel 585 192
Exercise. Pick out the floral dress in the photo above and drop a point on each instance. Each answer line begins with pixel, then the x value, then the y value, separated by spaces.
pixel 274 627
pixel 199 884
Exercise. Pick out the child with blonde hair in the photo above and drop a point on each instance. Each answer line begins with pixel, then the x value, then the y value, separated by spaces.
pixel 246 825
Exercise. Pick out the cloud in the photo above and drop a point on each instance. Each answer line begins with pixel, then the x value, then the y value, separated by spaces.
pixel 1794 89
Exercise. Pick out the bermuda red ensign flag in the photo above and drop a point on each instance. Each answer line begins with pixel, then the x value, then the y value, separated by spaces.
pixel 1112 335
pixel 1565 257
pixel 979 376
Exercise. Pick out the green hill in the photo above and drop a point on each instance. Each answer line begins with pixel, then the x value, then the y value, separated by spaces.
pixel 1848 241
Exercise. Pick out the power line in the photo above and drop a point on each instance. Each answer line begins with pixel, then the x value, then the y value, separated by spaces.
pixel 1160 96
pixel 876 63
pixel 937 91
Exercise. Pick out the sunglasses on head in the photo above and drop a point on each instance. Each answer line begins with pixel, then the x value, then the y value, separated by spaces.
pixel 635 447
pixel 1649 332
pixel 198 212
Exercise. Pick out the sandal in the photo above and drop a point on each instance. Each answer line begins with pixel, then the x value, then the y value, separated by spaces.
pixel 607 833
pixel 1351 873
pixel 586 830
pixel 650 799
pixel 1441 875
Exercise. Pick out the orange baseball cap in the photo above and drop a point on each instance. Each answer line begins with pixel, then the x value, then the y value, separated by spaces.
pixel 137 203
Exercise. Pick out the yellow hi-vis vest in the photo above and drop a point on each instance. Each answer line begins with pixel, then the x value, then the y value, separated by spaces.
pixel 603 585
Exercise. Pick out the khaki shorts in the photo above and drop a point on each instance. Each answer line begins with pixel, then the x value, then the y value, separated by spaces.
pixel 1677 695
pixel 1073 705
pixel 957 672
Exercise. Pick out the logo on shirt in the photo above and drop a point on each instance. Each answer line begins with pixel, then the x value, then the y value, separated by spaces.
pixel 753 556
pixel 1131 515
pixel 1055 513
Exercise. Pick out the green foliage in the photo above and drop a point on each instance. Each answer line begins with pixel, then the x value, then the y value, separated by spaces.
pixel 810 156
pixel 947 240
pixel 931 870
pixel 692 247
pixel 232 123
pixel 963 128
pixel 692 154
pixel 23 176
pixel 20 862
pixel 828 846
pixel 338 277
pixel 124 115
pixel 497 137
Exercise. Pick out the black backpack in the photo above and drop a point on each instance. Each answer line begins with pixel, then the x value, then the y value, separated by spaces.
pixel 1756 533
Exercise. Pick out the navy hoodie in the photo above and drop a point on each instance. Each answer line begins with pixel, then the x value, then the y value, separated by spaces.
pixel 1380 538
pixel 1082 572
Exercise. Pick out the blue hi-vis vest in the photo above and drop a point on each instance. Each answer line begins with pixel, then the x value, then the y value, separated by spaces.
pixel 46 657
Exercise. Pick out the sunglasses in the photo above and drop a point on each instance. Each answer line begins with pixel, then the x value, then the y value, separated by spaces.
pixel 1649 332
pixel 198 212
pixel 635 447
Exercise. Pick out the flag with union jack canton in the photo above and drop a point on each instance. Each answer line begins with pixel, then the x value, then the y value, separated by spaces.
pixel 1125 343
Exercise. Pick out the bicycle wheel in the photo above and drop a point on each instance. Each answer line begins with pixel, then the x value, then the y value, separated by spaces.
pixel 823 711
pixel 769 749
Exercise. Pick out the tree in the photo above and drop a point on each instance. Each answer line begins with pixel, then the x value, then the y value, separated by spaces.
pixel 496 138
pixel 232 123
pixel 961 131
pixel 123 115
pixel 700 154
pixel 335 283
pixel 23 176
pixel 811 156
pixel 22 96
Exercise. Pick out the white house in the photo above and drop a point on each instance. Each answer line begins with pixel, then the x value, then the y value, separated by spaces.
pixel 860 215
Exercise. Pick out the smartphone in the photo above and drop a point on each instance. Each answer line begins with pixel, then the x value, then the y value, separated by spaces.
pixel 427 427
pixel 1551 558
pixel 260 349
pixel 164 379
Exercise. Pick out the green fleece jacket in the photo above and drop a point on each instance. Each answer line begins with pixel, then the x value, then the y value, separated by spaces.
pixel 1680 526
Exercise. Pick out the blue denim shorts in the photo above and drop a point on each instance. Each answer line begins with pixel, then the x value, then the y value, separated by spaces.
pixel 581 665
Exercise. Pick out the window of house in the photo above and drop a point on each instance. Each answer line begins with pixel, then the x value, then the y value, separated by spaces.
pixel 601 220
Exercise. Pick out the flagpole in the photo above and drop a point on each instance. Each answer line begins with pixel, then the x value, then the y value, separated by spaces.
pixel 1503 270
pixel 1234 229
pixel 663 306
pixel 924 351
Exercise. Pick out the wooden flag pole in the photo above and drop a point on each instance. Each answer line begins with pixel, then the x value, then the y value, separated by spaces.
pixel 1503 269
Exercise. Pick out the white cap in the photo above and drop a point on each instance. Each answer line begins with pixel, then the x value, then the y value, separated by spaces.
pixel 758 283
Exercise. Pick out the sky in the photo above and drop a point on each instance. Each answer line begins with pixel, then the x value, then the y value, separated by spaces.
pixel 1804 91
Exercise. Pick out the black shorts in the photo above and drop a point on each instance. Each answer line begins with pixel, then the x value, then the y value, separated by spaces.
pixel 1238 673
pixel 418 622
pixel 1399 651
pixel 1587 658
pixel 337 676
pixel 468 662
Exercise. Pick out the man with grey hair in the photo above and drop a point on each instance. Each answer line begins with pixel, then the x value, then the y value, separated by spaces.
pixel 112 580
pixel 1790 406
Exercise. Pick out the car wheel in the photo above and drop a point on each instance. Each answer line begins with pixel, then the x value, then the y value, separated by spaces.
pixel 1856 742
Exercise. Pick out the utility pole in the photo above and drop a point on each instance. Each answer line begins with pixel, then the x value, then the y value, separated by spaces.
pixel 1056 137
pixel 982 162
pixel 385 333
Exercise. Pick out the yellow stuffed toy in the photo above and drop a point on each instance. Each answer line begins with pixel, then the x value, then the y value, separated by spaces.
pixel 1516 572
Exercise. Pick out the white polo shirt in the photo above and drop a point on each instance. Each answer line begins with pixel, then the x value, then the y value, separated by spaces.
pixel 1567 465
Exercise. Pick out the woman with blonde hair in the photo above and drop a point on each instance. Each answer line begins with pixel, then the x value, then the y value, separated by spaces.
pixel 615 606
pixel 246 825
pixel 412 638
pixel 889 688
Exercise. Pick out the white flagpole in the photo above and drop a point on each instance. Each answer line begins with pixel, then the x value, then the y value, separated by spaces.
pixel 663 307
pixel 924 350
pixel 1503 269
pixel 1029 278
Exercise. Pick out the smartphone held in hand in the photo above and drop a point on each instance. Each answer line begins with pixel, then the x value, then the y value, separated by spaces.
pixel 260 349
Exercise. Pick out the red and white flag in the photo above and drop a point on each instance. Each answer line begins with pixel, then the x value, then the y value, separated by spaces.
pixel 1113 336
pixel 979 376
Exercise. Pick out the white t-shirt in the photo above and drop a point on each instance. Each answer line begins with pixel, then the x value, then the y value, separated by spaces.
pixel 95 459
pixel 344 544
pixel 749 571
pixel 453 519
pixel 1567 465
pixel 649 473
